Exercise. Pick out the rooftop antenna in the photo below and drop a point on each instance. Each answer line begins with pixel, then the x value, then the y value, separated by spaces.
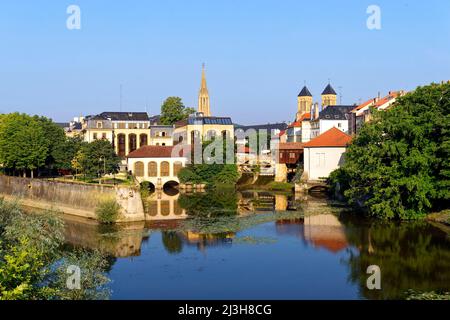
pixel 340 94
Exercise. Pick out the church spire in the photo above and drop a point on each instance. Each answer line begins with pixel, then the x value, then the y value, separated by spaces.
pixel 203 96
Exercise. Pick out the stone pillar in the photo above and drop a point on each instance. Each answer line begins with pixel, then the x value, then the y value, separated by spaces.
pixel 280 172
pixel 127 150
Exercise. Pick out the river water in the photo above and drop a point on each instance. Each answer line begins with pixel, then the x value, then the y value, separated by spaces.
pixel 260 245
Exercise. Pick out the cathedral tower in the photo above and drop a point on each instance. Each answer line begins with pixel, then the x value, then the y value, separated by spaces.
pixel 304 102
pixel 329 96
pixel 203 96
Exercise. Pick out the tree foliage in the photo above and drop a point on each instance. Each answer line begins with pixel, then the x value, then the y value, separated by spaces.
pixel 96 158
pixel 398 165
pixel 30 143
pixel 173 110
pixel 34 260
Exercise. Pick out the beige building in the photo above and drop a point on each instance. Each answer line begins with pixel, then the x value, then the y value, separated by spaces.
pixel 158 165
pixel 127 131
pixel 324 154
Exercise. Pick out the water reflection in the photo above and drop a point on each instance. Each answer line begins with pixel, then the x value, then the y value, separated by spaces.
pixel 117 241
pixel 413 255
pixel 322 248
pixel 163 206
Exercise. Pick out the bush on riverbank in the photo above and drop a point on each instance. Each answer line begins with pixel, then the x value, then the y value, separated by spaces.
pixel 108 211
pixel 210 174
pixel 34 260
pixel 280 186
pixel 398 166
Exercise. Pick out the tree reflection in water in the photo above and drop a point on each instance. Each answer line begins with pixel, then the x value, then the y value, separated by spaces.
pixel 411 255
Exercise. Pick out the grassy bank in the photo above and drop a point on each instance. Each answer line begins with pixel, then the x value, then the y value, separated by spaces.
pixel 441 217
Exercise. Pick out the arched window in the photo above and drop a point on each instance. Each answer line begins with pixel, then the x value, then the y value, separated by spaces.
pixel 132 142
pixel 152 169
pixel 121 142
pixel 139 169
pixel 143 140
pixel 165 208
pixel 177 167
pixel 165 169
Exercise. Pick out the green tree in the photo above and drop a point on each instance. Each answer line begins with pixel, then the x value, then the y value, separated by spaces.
pixel 398 166
pixel 98 158
pixel 56 141
pixel 173 110
pixel 65 152
pixel 23 143
pixel 30 143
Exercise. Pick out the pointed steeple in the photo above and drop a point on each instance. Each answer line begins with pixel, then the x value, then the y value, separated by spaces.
pixel 203 96
pixel 305 92
pixel 329 90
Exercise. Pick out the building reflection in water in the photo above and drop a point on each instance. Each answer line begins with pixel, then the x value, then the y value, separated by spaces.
pixel 164 206
pixel 321 231
pixel 264 201
pixel 325 231
pixel 117 241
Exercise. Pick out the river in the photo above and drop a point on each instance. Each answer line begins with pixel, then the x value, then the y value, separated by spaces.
pixel 260 245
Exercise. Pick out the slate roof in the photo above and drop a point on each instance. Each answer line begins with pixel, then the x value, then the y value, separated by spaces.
pixel 125 116
pixel 200 120
pixel 331 138
pixel 339 112
pixel 269 126
pixel 305 92
pixel 329 90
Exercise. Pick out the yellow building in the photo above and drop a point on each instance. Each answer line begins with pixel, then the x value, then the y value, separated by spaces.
pixel 304 103
pixel 329 96
pixel 127 131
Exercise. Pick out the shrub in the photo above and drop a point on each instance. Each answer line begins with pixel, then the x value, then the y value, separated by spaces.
pixel 280 186
pixel 108 211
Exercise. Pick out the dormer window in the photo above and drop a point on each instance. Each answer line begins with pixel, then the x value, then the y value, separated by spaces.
pixel 99 125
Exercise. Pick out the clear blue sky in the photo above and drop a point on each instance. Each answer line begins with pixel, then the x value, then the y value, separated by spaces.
pixel 258 53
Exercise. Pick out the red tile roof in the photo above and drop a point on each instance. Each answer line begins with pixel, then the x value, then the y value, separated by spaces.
pixel 290 146
pixel 305 116
pixel 365 104
pixel 298 123
pixel 295 124
pixel 154 152
pixel 282 132
pixel 331 138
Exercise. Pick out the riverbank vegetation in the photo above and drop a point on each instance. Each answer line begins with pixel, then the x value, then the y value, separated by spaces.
pixel 398 166
pixel 210 174
pixel 34 260
pixel 108 211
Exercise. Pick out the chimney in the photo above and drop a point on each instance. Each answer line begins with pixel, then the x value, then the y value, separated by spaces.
pixel 316 111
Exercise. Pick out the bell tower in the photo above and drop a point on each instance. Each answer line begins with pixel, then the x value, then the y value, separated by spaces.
pixel 329 96
pixel 203 96
pixel 304 102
